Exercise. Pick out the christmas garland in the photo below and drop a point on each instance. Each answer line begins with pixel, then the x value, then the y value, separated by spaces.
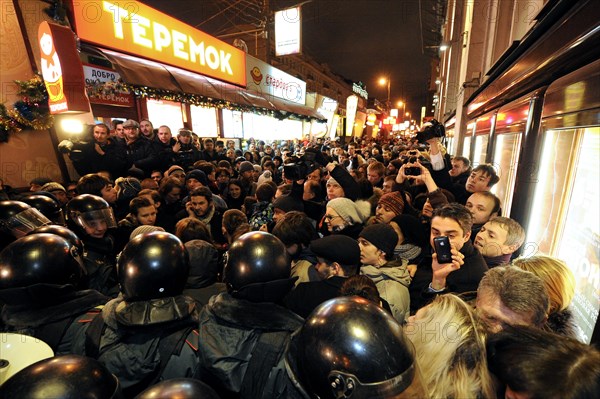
pixel 98 88
pixel 29 113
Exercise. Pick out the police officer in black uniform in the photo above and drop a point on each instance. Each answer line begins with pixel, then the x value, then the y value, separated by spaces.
pixel 243 332
pixel 147 334
pixel 43 287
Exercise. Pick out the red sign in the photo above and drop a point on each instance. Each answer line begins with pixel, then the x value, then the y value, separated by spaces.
pixel 103 87
pixel 138 29
pixel 61 69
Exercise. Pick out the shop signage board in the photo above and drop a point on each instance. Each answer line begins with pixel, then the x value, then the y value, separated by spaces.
pixel 61 69
pixel 288 32
pixel 137 29
pixel 95 74
pixel 266 79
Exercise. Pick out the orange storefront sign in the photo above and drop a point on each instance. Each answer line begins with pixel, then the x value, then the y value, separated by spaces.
pixel 138 29
pixel 61 69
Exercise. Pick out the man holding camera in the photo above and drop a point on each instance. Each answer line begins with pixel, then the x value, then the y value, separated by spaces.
pixel 99 151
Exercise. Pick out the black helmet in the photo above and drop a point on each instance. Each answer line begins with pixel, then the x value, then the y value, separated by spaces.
pixel 350 348
pixel 85 210
pixel 153 265
pixel 48 205
pixel 182 388
pixel 66 377
pixel 60 231
pixel 255 260
pixel 38 261
pixel 18 218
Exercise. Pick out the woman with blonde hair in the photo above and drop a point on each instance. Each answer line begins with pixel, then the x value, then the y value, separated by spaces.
pixel 450 349
pixel 559 283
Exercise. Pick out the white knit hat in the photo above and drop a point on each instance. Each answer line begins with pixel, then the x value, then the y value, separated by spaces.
pixel 346 209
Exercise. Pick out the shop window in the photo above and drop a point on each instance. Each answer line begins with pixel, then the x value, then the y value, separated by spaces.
pixel 481 144
pixel 579 237
pixel 204 121
pixel 162 112
pixel 232 124
pixel 505 160
pixel 466 150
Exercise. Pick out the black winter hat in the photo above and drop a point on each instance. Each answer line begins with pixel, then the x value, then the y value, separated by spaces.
pixel 383 236
pixel 337 248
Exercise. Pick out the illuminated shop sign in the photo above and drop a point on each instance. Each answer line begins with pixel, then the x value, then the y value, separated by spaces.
pixel 109 78
pixel 135 28
pixel 267 79
pixel 61 69
pixel 288 32
pixel 360 91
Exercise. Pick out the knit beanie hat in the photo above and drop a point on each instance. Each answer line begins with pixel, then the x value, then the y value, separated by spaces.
pixel 143 230
pixel 246 166
pixel 128 187
pixel 393 201
pixel 346 209
pixel 383 236
pixel 332 181
pixel 53 186
pixel 198 175
pixel 172 169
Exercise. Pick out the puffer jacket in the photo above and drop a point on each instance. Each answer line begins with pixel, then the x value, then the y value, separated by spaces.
pixel 392 281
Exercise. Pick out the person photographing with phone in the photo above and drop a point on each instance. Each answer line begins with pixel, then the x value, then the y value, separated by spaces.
pixel 455 264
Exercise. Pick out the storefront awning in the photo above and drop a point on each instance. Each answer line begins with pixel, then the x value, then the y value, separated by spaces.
pixel 140 72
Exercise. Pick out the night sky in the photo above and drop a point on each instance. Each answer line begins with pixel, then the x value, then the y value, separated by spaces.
pixel 360 40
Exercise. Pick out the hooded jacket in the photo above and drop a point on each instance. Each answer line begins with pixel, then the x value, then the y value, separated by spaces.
pixel 230 330
pixel 392 281
pixel 129 346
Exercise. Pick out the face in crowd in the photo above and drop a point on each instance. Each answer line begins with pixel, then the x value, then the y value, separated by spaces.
pixel 481 208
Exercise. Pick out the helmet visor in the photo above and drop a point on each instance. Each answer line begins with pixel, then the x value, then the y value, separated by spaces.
pixel 24 222
pixel 91 219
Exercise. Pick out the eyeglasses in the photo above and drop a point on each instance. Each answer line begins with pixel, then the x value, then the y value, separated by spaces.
pixel 329 218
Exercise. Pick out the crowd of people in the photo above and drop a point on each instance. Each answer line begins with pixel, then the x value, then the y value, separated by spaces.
pixel 293 269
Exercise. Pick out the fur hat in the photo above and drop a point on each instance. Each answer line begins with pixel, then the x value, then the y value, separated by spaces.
pixel 393 201
pixel 198 175
pixel 383 236
pixel 143 230
pixel 346 209
pixel 265 177
pixel 337 248
pixel 246 166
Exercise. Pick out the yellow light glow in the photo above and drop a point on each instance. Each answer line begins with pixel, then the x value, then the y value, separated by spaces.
pixel 73 126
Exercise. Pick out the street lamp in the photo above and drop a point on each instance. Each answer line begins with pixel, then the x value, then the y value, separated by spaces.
pixel 403 105
pixel 383 81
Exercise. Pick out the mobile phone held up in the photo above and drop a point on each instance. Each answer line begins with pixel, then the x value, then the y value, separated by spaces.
pixel 442 249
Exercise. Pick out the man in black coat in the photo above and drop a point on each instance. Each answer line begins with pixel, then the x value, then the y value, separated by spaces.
pixel 467 267
pixel 338 257
pixel 141 153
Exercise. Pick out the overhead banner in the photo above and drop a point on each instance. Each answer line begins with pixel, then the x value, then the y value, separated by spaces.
pixel 95 74
pixel 264 78
pixel 61 69
pixel 135 28
pixel 288 32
